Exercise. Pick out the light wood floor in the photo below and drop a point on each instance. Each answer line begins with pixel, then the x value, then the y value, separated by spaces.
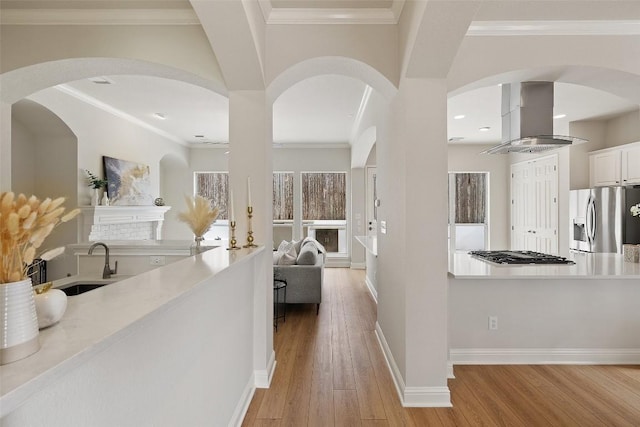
pixel 331 372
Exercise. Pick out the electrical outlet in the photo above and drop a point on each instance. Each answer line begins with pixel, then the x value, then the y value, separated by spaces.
pixel 156 260
pixel 493 323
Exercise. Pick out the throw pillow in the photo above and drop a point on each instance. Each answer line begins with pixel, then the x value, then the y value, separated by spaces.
pixel 276 257
pixel 308 255
pixel 289 257
pixel 297 244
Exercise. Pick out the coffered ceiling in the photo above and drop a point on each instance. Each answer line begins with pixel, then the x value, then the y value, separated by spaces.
pixel 320 110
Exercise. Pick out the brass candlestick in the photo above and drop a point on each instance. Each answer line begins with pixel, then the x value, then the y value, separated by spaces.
pixel 250 232
pixel 233 241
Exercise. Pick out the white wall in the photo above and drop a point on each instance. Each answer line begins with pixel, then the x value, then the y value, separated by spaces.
pixel 187 363
pixel 23 160
pixel 467 158
pixel 102 134
pixel 594 131
pixel 623 129
pixel 38 137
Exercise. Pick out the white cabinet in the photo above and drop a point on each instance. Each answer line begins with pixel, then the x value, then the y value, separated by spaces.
pixel 630 160
pixel 604 168
pixel 615 166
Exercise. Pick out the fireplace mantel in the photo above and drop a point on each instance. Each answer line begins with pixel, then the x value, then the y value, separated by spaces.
pixel 96 216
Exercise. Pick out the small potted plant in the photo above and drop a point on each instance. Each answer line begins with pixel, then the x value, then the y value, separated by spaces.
pixel 97 184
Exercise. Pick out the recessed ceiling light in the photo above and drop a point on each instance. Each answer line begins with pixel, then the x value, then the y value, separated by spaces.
pixel 159 116
pixel 100 80
pixel 487 128
pixel 559 116
pixel 459 116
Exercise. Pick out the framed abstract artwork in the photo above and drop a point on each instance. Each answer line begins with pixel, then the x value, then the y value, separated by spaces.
pixel 129 183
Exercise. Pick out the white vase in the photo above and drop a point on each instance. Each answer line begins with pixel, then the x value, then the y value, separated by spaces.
pixel 18 321
pixel 95 197
pixel 105 199
pixel 50 306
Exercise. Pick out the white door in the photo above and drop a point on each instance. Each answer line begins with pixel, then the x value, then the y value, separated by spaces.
pixel 371 202
pixel 534 205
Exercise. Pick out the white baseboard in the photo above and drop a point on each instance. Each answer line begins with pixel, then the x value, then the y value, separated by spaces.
pixel 263 376
pixel 545 356
pixel 337 263
pixel 358 266
pixel 450 374
pixel 418 397
pixel 372 289
pixel 243 404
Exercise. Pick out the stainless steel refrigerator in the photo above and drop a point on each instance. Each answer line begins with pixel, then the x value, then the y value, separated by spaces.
pixel 601 219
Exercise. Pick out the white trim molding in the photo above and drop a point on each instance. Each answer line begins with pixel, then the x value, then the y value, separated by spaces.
pixel 358 266
pixel 243 404
pixel 99 17
pixel 263 377
pixel 545 356
pixel 297 16
pixel 415 397
pixel 372 289
pixel 554 28
pixel 450 374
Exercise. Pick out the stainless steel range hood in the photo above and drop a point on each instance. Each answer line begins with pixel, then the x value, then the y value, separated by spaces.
pixel 527 120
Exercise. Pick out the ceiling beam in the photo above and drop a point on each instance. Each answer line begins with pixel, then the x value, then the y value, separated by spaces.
pixel 440 31
pixel 229 29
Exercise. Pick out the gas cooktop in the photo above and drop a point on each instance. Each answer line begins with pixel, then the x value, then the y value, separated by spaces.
pixel 519 257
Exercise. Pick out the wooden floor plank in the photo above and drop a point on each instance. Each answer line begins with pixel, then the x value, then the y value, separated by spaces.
pixel 252 412
pixel 296 410
pixel 346 408
pixel 370 402
pixel 565 378
pixel 343 378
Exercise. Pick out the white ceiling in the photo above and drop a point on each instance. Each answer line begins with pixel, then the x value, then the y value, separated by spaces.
pixel 320 110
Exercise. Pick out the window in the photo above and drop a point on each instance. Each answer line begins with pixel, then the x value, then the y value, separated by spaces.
pixel 324 209
pixel 282 207
pixel 324 196
pixel 282 196
pixel 468 210
pixel 215 187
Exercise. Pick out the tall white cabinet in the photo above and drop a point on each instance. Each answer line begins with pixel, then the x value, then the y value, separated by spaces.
pixel 615 166
pixel 534 205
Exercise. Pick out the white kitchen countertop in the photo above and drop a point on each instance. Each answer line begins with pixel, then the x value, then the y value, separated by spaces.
pixel 587 266
pixel 95 319
pixel 369 243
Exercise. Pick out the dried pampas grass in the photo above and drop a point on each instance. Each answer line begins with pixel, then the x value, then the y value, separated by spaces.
pixel 199 215
pixel 24 225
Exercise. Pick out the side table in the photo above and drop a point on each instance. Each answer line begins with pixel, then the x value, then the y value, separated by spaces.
pixel 279 297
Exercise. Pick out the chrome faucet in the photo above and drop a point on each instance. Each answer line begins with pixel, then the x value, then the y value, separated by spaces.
pixel 107 271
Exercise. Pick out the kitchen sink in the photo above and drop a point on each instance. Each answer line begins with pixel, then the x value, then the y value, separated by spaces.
pixel 77 288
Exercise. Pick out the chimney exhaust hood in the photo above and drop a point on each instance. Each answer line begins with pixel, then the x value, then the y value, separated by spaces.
pixel 527 120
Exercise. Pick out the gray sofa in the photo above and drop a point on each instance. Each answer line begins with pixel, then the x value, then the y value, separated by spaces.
pixel 304 281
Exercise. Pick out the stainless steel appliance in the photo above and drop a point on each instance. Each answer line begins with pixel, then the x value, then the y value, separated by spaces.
pixel 601 220
pixel 519 257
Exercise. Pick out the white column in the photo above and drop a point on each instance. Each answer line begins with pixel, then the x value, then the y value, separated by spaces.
pixel 412 261
pixel 250 143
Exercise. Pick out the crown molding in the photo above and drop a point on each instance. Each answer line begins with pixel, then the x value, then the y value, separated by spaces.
pixel 554 28
pixel 318 16
pixel 116 112
pixel 278 145
pixel 98 17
